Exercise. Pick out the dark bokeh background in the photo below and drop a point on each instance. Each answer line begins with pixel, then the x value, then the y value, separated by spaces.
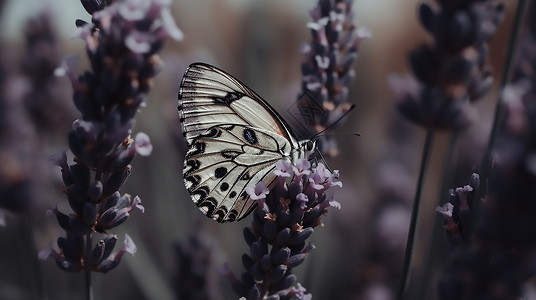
pixel 359 251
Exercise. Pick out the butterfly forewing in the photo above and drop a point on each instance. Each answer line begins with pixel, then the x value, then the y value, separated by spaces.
pixel 234 139
pixel 208 96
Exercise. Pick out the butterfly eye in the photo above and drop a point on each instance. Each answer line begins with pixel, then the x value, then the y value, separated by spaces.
pixel 310 146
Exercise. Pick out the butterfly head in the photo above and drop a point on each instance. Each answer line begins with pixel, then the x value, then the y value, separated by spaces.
pixel 308 147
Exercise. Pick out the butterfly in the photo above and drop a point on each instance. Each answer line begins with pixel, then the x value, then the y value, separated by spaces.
pixel 234 138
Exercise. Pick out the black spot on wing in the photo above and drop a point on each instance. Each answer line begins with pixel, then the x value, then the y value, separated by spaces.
pixel 224 186
pixel 232 194
pixel 194 165
pixel 219 214
pixel 245 176
pixel 202 192
pixel 228 99
pixel 230 154
pixel 197 149
pixel 211 133
pixel 250 136
pixel 220 172
pixel 231 216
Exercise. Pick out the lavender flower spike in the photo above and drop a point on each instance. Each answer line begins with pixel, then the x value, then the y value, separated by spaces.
pixel 326 71
pixel 122 42
pixel 285 218
pixel 453 72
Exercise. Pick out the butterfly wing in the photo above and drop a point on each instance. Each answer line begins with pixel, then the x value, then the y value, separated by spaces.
pixel 234 139
pixel 223 161
pixel 209 97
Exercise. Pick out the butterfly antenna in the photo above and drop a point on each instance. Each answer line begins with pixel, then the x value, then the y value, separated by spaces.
pixel 337 121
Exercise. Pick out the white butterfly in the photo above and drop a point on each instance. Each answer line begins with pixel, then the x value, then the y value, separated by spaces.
pixel 234 139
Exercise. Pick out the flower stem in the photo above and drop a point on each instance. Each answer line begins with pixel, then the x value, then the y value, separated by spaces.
pixel 414 216
pixel 436 240
pixel 485 166
pixel 87 268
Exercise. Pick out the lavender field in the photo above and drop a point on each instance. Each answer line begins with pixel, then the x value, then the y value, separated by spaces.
pixel 423 184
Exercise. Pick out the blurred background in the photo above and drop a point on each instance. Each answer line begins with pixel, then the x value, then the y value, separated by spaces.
pixel 359 250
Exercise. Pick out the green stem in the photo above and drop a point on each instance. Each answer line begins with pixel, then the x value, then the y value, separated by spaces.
pixel 437 237
pixel 414 217
pixel 485 167
pixel 87 268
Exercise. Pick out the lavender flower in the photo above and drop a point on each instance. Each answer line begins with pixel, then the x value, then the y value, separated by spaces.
pixel 286 216
pixel 121 44
pixel 452 73
pixel 458 210
pixel 499 259
pixel 326 72
pixel 27 99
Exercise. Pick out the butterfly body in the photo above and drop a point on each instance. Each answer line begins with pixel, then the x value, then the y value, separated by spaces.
pixel 234 139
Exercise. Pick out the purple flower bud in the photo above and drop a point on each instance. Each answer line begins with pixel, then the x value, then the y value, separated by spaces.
pixel 270 229
pixel 254 293
pixel 266 263
pixel 89 214
pixel 247 261
pixel 278 273
pixel 287 282
pixel 81 175
pixel 257 250
pixel 97 253
pixel 249 236
pixel 257 272
pixel 301 236
pixel 296 260
pixel 115 181
pixel 283 237
pixel 281 256
pixel 95 191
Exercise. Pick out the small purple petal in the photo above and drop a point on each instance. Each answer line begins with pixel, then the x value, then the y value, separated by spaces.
pixel 129 245
pixel 49 252
pixel 139 42
pixel 303 199
pixel 136 203
pixel 169 25
pixel 283 168
pixel 68 67
pixel 258 191
pixel 143 144
pixel 303 166
pixel 464 189
pixel 86 34
pixel 133 10
pixel 334 203
pixel 333 179
pixel 445 210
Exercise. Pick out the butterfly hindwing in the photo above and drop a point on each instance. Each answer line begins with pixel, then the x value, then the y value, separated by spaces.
pixel 223 161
